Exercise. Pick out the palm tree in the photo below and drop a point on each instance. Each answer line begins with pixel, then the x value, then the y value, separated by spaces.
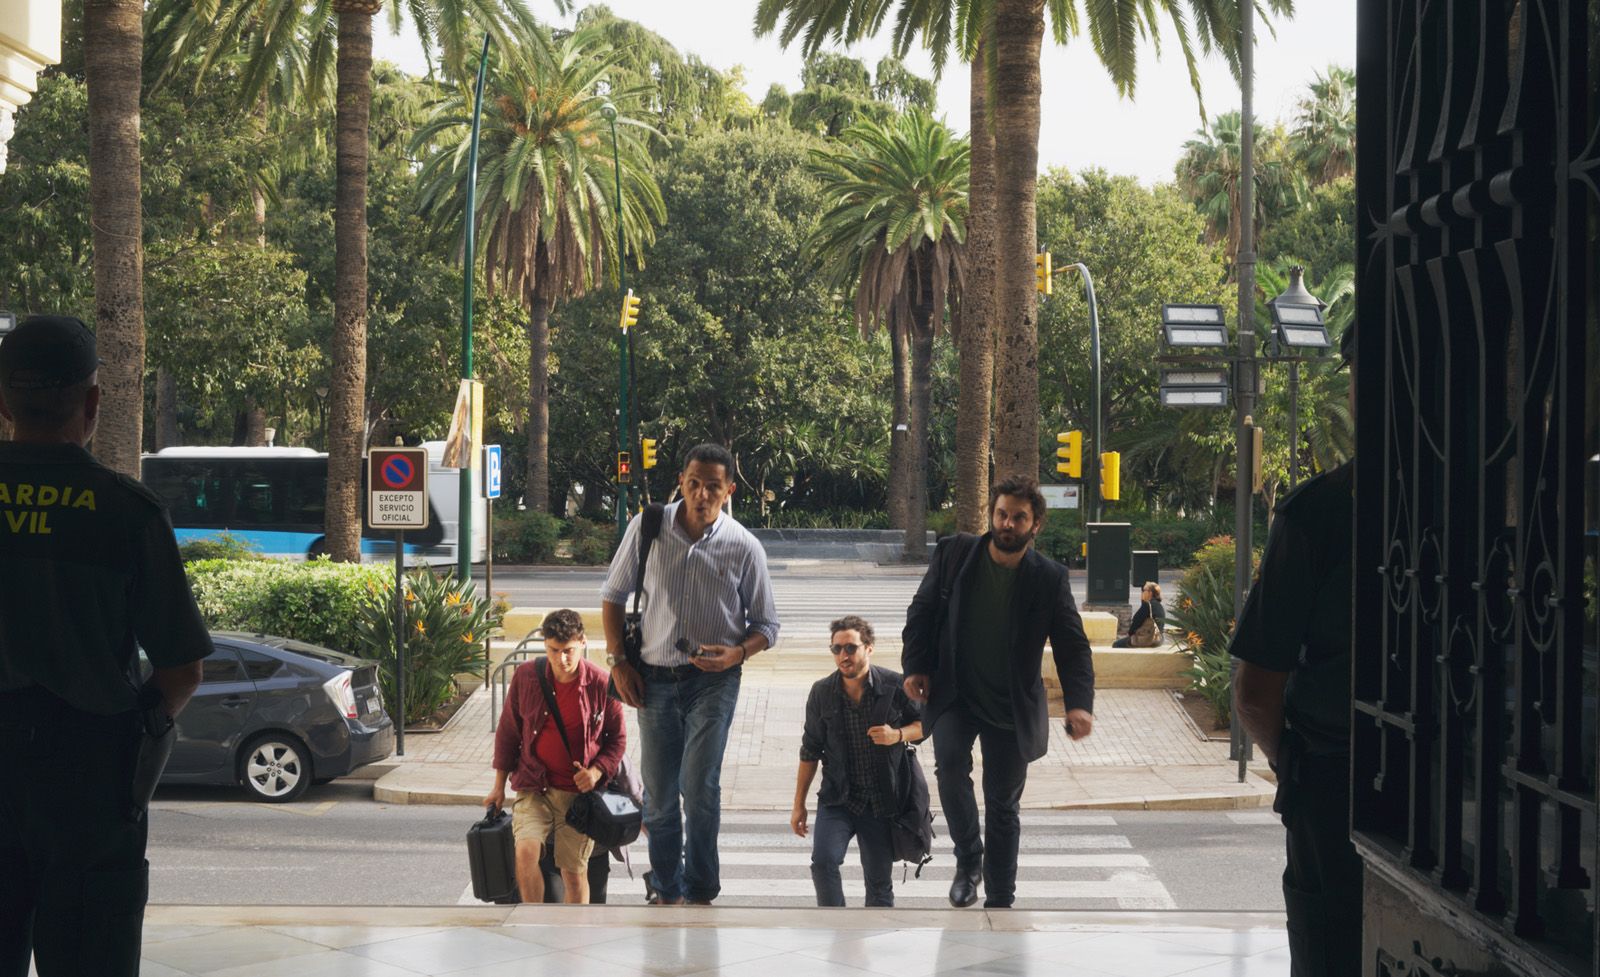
pixel 1324 136
pixel 1012 32
pixel 275 32
pixel 546 191
pixel 113 36
pixel 1209 175
pixel 896 210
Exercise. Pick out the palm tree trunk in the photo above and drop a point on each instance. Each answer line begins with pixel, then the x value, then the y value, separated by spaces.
pixel 258 192
pixel 539 403
pixel 898 472
pixel 113 42
pixel 1019 30
pixel 347 389
pixel 916 545
pixel 166 410
pixel 976 336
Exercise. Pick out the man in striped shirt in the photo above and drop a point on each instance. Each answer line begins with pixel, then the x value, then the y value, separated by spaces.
pixel 707 608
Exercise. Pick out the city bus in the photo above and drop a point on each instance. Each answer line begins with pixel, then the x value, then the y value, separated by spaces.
pixel 274 499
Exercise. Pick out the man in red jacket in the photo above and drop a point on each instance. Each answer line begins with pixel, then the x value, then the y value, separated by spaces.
pixel 530 751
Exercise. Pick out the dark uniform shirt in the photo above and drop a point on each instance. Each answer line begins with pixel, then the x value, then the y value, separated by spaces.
pixel 1297 617
pixel 88 567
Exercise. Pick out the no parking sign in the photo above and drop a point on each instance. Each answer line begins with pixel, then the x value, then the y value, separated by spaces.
pixel 397 488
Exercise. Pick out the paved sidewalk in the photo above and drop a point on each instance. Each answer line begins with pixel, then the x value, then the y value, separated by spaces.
pixel 1144 753
pixel 613 941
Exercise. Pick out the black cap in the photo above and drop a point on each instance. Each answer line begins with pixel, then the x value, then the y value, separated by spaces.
pixel 47 352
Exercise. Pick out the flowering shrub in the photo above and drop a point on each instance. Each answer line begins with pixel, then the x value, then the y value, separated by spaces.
pixel 445 625
pixel 1203 623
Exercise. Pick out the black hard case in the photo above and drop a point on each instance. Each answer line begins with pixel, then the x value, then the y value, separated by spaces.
pixel 492 854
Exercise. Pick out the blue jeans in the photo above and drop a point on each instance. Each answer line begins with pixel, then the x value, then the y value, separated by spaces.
pixel 683 730
pixel 830 838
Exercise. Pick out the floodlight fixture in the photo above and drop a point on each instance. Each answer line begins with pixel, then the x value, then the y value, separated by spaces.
pixel 1194 388
pixel 1297 316
pixel 1194 326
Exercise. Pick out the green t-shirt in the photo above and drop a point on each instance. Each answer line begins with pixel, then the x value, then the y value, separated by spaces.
pixel 983 646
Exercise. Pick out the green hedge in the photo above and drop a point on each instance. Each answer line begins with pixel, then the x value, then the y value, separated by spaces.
pixel 529 536
pixel 319 602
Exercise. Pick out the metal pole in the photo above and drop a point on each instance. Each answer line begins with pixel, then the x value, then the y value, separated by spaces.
pixel 1245 369
pixel 1294 423
pixel 624 442
pixel 1092 506
pixel 398 710
pixel 464 496
pixel 488 578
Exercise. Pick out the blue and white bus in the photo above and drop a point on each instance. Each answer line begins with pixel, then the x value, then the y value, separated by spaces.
pixel 275 499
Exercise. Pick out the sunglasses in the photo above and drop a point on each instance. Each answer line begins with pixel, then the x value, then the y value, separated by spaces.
pixel 845 649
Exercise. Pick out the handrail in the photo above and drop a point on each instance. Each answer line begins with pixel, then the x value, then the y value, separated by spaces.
pixel 499 682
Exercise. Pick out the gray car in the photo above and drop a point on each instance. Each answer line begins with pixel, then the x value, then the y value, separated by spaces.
pixel 277 715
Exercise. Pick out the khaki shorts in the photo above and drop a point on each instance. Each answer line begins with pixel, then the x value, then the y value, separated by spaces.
pixel 532 817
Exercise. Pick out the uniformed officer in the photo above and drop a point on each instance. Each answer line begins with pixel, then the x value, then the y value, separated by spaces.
pixel 88 568
pixel 1292 695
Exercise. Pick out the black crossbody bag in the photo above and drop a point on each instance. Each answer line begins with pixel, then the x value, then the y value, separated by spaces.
pixel 632 629
pixel 611 818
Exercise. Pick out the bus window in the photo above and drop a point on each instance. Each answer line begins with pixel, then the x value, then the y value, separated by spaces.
pixel 255 497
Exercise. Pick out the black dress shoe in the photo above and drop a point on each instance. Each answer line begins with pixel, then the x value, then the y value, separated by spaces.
pixel 997 903
pixel 964 890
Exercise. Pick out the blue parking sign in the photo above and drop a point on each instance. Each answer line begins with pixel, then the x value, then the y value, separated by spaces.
pixel 491 471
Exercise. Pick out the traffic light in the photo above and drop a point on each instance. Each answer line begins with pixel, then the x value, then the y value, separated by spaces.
pixel 1070 454
pixel 1111 476
pixel 630 310
pixel 1042 280
pixel 647 452
pixel 624 466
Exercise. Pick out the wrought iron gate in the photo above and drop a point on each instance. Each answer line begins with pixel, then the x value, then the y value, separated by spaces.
pixel 1479 426
pixel 1478 418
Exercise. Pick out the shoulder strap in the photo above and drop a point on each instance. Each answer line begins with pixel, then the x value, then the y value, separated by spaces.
pixel 555 711
pixel 649 529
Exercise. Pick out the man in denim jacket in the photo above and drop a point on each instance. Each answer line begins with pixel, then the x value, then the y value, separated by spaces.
pixel 530 752
pixel 857 722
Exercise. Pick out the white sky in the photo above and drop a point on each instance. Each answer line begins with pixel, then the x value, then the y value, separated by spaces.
pixel 1085 123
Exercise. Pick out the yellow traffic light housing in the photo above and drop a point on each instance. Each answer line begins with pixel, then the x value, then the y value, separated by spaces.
pixel 647 452
pixel 1042 280
pixel 1070 454
pixel 624 465
pixel 1111 476
pixel 630 310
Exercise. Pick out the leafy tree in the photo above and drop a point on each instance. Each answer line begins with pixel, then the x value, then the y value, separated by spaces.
pixel 44 205
pixel 837 92
pixel 897 200
pixel 1005 37
pixel 1210 174
pixel 547 212
pixel 678 93
pixel 1144 247
pixel 1324 136
pixel 1320 234
pixel 739 342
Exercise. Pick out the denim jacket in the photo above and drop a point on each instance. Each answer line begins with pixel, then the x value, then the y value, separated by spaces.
pixel 823 739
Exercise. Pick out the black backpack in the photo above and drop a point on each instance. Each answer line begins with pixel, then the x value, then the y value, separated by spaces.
pixel 911 827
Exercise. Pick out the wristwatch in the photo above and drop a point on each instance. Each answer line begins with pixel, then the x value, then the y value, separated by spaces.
pixel 612 661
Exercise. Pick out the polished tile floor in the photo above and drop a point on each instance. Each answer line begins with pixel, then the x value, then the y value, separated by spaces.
pixel 559 942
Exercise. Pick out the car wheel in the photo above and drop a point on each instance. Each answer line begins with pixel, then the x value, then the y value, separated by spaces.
pixel 275 768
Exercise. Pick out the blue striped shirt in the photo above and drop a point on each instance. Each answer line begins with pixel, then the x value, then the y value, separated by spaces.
pixel 714 590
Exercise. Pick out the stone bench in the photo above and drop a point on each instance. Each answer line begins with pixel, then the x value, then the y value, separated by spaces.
pixel 1131 668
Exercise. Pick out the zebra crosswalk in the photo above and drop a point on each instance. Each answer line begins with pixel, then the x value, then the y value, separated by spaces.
pixel 1068 861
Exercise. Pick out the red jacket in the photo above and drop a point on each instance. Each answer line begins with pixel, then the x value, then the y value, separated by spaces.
pixel 525 716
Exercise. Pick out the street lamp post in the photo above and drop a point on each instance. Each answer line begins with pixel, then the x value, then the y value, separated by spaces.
pixel 1092 486
pixel 609 112
pixel 1296 324
pixel 464 497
